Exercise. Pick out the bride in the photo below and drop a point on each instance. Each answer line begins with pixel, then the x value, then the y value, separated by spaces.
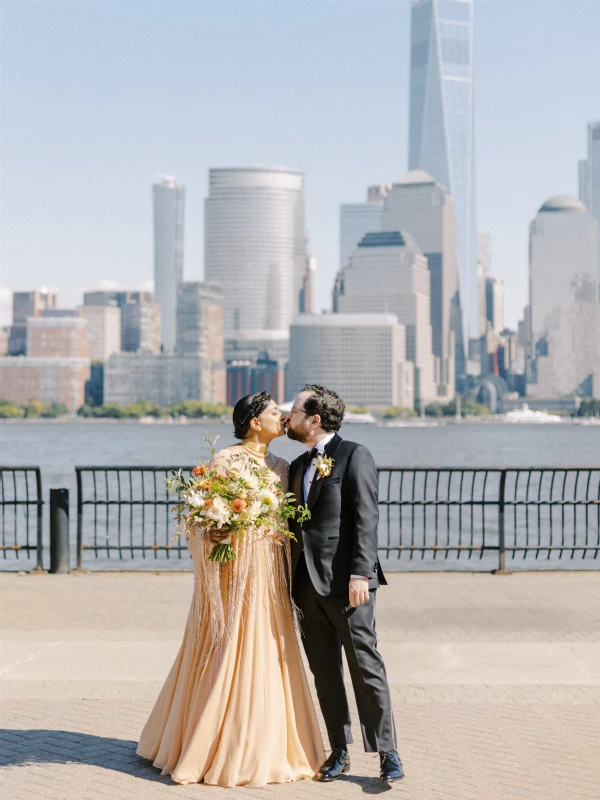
pixel 236 709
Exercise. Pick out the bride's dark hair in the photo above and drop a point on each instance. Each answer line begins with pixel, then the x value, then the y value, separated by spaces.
pixel 246 409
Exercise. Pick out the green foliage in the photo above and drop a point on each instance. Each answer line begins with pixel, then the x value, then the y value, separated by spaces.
pixel 33 409
pixel 590 407
pixel 142 408
pixel 193 408
pixel 54 410
pixel 395 412
pixel 434 410
pixel 9 410
pixel 358 410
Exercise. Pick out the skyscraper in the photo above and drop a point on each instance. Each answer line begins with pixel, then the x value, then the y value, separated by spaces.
pixel 441 122
pixel 563 296
pixel 420 205
pixel 169 199
pixel 589 172
pixel 254 247
pixel 356 219
pixel 388 274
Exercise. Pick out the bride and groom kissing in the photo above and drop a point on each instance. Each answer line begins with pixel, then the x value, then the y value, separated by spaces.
pixel 236 708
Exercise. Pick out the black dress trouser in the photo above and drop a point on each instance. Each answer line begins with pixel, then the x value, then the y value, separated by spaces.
pixel 328 624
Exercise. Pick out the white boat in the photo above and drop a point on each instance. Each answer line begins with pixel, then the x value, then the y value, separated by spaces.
pixel 362 418
pixel 527 415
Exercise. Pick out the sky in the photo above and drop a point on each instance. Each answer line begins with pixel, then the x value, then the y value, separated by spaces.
pixel 99 97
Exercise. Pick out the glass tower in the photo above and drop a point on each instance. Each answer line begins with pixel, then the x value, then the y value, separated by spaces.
pixel 589 172
pixel 441 122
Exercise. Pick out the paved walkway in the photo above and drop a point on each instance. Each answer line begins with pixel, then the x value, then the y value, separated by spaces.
pixel 495 682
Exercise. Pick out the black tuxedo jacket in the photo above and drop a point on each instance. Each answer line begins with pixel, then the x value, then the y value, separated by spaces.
pixel 340 539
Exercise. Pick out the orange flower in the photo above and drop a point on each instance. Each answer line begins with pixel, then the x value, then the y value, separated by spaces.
pixel 199 470
pixel 207 504
pixel 238 505
pixel 206 485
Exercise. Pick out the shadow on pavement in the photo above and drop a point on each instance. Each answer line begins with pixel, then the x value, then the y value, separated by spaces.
pixel 24 747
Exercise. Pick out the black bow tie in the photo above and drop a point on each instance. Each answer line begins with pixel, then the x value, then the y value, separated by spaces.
pixel 308 457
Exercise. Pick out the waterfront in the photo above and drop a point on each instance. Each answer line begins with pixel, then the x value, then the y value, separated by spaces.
pixel 58 447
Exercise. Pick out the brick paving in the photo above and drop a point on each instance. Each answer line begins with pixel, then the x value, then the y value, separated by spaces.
pixel 470 725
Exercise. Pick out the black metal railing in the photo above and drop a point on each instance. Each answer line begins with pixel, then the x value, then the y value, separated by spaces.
pixel 468 513
pixel 21 507
pixel 432 515
pixel 125 513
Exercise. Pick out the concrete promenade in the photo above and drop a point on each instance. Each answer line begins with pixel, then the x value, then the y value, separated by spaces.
pixel 495 682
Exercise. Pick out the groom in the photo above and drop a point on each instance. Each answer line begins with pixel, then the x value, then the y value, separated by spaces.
pixel 335 578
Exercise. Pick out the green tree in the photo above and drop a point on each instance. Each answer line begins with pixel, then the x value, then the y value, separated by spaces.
pixel 393 412
pixel 33 409
pixel 54 410
pixel 9 410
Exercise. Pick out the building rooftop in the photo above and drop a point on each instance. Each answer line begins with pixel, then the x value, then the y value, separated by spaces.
pixel 564 202
pixel 383 239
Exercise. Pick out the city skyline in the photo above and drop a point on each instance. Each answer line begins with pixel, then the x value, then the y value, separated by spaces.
pixel 70 230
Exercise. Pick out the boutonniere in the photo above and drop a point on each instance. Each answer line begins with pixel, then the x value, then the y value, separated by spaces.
pixel 324 466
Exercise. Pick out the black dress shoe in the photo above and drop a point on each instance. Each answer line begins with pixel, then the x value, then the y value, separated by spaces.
pixel 391 766
pixel 337 763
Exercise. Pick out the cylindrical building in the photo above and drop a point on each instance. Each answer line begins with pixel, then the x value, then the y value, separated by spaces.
pixel 254 247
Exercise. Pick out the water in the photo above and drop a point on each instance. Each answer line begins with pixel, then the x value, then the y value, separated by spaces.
pixel 58 447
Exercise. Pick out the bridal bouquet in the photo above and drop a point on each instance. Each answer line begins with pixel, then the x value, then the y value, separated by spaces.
pixel 233 501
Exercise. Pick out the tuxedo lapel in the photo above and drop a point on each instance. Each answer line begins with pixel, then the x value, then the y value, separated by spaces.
pixel 315 487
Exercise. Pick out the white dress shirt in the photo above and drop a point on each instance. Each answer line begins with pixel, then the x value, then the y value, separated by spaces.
pixel 309 475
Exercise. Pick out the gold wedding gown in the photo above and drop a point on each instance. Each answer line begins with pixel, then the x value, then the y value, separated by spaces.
pixel 236 708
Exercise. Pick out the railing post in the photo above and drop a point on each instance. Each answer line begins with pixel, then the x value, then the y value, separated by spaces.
pixel 40 543
pixel 79 520
pixel 59 531
pixel 501 531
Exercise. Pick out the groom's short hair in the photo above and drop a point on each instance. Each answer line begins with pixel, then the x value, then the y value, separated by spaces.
pixel 326 404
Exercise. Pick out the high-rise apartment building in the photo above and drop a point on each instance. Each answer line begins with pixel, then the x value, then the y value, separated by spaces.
pixel 441 122
pixel 307 293
pixel 563 292
pixel 169 206
pixel 57 337
pixel 388 274
pixel 254 247
pixel 423 207
pixel 357 219
pixel 360 356
pixel 140 318
pixel 27 304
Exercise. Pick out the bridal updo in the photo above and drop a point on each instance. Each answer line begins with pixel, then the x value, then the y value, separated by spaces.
pixel 247 409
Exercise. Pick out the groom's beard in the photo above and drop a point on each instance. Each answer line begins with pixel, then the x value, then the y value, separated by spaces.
pixel 296 436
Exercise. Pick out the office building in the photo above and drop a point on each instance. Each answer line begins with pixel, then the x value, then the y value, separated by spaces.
pixel 494 303
pixel 563 295
pixel 357 219
pixel 24 305
pixel 162 379
pixel 422 206
pixel 103 330
pixel 254 247
pixel 306 304
pixel 388 274
pixel 360 356
pixel 169 206
pixel 441 123
pixel 589 172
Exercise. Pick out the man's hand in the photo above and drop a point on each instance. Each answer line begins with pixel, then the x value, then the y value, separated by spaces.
pixel 358 591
